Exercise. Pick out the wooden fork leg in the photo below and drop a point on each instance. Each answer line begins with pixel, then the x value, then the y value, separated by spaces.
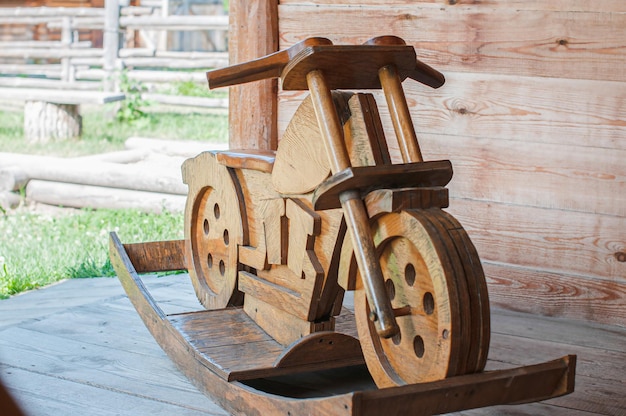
pixel 400 115
pixel 353 207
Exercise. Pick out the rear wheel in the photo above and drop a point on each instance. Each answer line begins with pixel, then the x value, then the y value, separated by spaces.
pixel 213 231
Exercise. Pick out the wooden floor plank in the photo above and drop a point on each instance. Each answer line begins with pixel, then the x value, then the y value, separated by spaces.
pixel 98 341
pixel 593 362
pixel 563 331
pixel 85 363
pixel 57 297
pixel 83 338
pixel 45 395
pixel 531 409
pixel 599 372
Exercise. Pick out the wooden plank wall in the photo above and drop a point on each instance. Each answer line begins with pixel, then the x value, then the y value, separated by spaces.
pixel 533 118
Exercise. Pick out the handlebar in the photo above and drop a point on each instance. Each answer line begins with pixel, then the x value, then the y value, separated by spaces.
pixel 269 66
pixel 346 66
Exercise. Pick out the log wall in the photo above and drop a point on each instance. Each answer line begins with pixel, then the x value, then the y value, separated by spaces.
pixel 532 117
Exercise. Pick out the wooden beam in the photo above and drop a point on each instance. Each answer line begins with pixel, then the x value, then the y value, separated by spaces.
pixel 253 107
pixel 97 197
pixel 100 174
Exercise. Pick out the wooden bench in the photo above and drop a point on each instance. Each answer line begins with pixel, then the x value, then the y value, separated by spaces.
pixel 52 114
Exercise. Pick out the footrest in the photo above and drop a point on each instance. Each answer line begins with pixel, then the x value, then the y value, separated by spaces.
pixel 368 178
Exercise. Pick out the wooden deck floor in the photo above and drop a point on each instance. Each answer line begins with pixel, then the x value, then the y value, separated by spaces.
pixel 80 348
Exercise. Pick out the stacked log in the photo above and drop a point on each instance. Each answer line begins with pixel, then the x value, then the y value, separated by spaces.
pixel 146 176
pixel 9 200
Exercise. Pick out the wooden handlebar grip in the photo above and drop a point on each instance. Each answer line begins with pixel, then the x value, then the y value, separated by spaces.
pixel 269 66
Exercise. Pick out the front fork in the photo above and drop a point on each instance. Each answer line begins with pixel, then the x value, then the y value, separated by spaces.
pixel 357 220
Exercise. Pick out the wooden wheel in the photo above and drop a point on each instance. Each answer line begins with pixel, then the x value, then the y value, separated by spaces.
pixel 213 230
pixel 428 286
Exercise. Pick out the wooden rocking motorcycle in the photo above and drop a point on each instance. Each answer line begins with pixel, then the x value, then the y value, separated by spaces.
pixel 273 240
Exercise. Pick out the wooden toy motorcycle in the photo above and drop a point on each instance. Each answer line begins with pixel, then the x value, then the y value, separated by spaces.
pixel 274 226
pixel 273 240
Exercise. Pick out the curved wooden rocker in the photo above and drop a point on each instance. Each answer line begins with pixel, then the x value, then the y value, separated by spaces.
pixel 253 376
pixel 273 241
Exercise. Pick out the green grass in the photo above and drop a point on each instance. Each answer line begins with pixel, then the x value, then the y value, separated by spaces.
pixel 192 89
pixel 102 133
pixel 37 250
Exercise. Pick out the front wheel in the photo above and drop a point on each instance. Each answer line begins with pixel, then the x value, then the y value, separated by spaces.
pixel 437 289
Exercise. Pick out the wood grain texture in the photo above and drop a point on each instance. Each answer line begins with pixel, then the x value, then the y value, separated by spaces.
pixel 266 67
pixel 322 347
pixel 585 180
pixel 215 226
pixel 531 118
pixel 558 111
pixel 557 44
pixel 437 402
pixel 82 319
pixel 100 197
pixel 561 294
pixel 567 112
pixel 302 162
pixel 557 5
pixel 400 115
pixel 357 66
pixel 261 160
pixel 257 196
pixel 252 108
pixel 546 239
pixel 368 178
pixel 364 135
pixel 542 381
pixel 284 327
pixel 416 261
pixel 162 255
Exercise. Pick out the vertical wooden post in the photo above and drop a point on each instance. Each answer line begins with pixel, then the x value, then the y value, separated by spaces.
pixel 165 11
pixel 66 41
pixel 111 42
pixel 252 109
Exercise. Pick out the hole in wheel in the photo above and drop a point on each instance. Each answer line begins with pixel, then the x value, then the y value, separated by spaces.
pixel 418 346
pixel 209 260
pixel 216 211
pixel 429 303
pixel 445 334
pixel 409 274
pixel 206 227
pixel 226 239
pixel 391 289
pixel 222 267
